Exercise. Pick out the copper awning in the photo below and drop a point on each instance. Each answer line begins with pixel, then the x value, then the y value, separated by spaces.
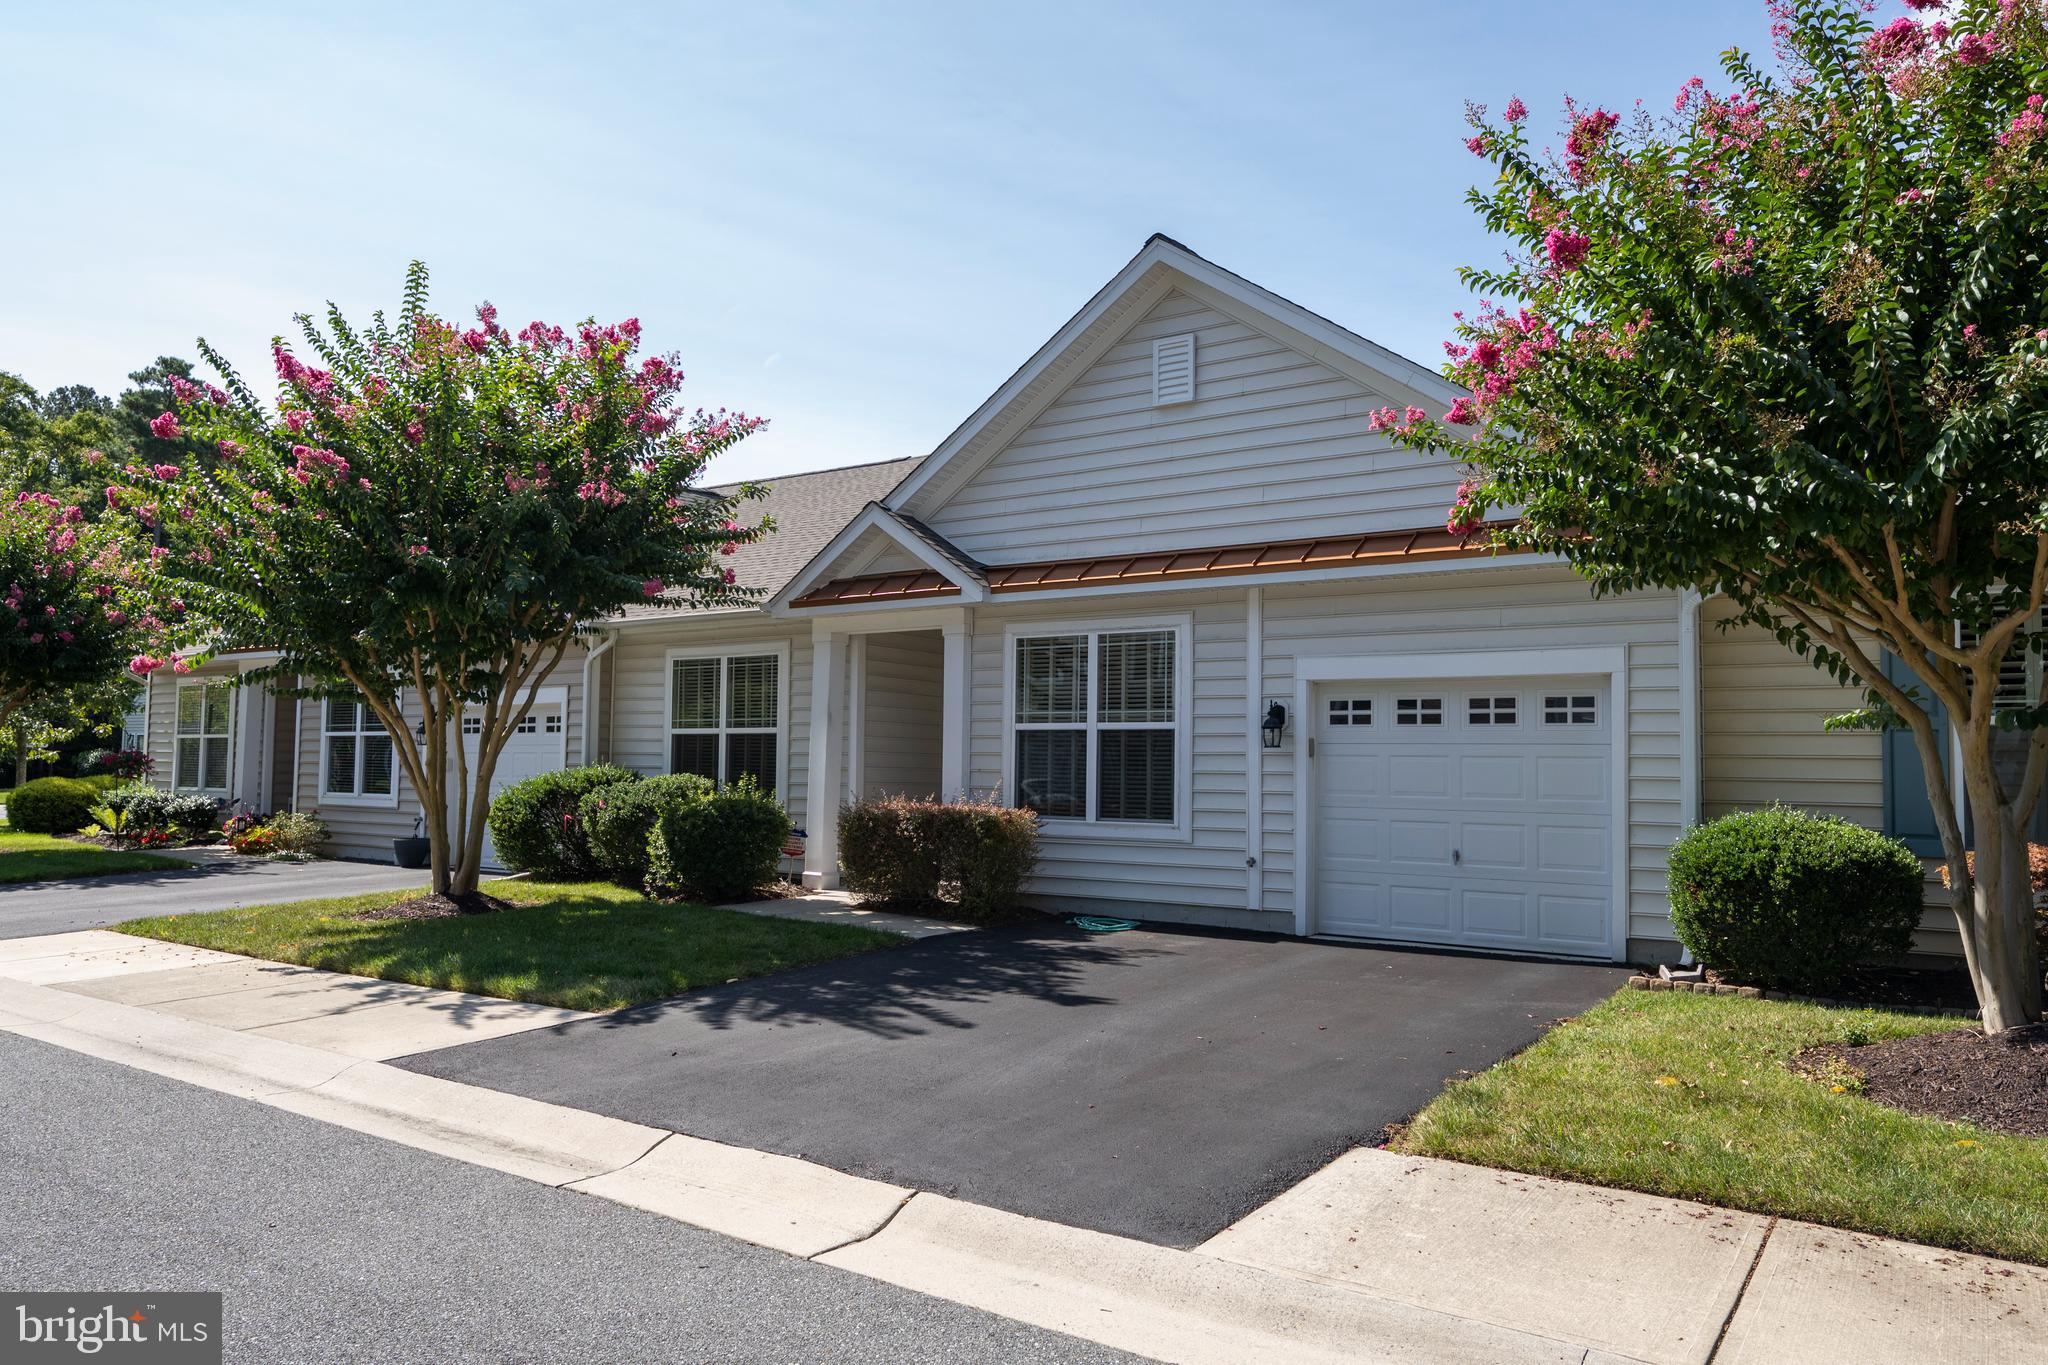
pixel 878 587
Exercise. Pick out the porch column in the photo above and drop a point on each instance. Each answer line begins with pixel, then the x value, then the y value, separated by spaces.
pixel 953 712
pixel 821 802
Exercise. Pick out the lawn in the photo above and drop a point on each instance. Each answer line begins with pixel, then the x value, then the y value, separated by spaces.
pixel 42 857
pixel 584 946
pixel 1688 1095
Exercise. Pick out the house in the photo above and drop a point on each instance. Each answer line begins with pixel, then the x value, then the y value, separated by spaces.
pixel 1167 587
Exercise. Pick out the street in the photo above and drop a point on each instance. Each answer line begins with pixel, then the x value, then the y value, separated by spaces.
pixel 332 1246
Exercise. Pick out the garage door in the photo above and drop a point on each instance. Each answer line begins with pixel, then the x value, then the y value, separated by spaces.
pixel 1475 814
pixel 535 746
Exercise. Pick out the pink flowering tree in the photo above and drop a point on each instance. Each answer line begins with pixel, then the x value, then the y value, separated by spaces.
pixel 429 514
pixel 76 606
pixel 1789 343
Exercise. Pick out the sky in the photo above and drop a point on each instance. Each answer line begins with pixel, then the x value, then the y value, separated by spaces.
pixel 855 220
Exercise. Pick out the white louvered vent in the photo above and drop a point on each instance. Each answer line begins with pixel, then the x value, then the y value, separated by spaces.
pixel 1173 370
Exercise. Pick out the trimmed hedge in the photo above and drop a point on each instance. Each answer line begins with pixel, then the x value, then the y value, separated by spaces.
pixel 720 847
pixel 1785 899
pixel 534 825
pixel 619 820
pixel 912 852
pixel 146 807
pixel 53 805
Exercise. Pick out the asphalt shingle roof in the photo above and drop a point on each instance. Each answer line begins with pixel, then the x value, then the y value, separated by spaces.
pixel 809 509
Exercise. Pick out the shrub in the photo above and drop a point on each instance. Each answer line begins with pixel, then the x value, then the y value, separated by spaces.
pixel 52 805
pixel 1782 898
pixel 120 764
pixel 146 807
pixel 720 847
pixel 534 825
pixel 296 832
pixel 912 853
pixel 618 821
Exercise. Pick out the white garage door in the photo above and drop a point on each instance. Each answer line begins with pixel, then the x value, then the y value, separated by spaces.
pixel 1468 813
pixel 537 745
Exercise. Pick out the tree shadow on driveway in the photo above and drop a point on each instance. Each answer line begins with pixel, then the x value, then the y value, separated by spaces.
pixel 911 990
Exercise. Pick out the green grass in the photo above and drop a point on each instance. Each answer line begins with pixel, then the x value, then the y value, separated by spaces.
pixel 584 946
pixel 42 857
pixel 1689 1095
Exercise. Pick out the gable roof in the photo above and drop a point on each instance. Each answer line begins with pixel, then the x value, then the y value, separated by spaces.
pixel 1161 264
pixel 808 510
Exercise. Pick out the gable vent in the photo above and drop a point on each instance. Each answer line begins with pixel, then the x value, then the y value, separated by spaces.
pixel 1173 370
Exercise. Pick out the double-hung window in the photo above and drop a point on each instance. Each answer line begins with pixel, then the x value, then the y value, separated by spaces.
pixel 356 757
pixel 725 717
pixel 200 762
pixel 1097 723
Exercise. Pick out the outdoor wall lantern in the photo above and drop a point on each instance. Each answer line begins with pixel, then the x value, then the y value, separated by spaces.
pixel 1275 724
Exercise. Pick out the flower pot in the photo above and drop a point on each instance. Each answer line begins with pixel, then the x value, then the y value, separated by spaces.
pixel 411 852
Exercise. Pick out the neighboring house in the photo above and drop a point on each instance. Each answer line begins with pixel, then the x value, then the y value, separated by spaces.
pixel 1172 526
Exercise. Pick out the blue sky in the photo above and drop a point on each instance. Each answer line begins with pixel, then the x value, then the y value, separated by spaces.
pixel 856 220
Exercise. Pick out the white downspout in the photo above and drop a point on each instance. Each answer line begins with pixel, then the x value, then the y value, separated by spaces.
pixel 609 638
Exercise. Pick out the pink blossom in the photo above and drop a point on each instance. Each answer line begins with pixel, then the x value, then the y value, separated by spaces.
pixel 297 419
pixel 1462 413
pixel 1516 110
pixel 166 472
pixel 1566 250
pixel 1476 144
pixel 165 427
pixel 415 433
pixel 731 577
pixel 231 450
pixel 180 665
pixel 1974 49
pixel 184 390
pixel 651 588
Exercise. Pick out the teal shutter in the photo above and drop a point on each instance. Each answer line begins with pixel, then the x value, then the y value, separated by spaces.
pixel 1908 814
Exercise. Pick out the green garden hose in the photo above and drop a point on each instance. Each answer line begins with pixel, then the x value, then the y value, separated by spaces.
pixel 1097 924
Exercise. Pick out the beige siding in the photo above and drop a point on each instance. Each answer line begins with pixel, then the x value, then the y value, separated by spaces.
pixel 904 678
pixel 366 830
pixel 1275 446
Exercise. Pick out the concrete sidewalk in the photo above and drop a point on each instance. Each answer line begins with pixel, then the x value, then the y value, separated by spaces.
pixel 1377 1257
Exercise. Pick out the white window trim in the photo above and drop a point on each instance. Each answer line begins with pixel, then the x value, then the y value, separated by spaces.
pixel 779 649
pixel 1183 726
pixel 177 770
pixel 375 800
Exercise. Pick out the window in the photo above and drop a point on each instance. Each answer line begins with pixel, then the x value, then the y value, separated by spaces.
pixel 356 757
pixel 1351 710
pixel 1096 725
pixel 1418 710
pixel 200 763
pixel 725 717
pixel 1490 710
pixel 1580 708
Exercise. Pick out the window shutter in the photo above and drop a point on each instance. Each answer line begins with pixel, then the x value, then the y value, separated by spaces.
pixel 1908 813
pixel 1173 370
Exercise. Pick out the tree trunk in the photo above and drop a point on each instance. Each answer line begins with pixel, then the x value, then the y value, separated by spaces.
pixel 1994 905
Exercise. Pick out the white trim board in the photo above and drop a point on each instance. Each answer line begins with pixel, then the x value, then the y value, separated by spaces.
pixel 876 517
pixel 1608 660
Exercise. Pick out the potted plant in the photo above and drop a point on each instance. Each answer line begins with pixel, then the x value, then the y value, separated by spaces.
pixel 415 850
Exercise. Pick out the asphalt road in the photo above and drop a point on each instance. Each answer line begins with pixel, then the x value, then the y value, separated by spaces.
pixel 214 882
pixel 1155 1084
pixel 332 1246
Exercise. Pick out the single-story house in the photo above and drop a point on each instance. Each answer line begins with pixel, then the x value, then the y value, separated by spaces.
pixel 1167 587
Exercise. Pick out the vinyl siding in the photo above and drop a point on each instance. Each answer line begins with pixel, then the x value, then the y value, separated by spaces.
pixel 900 713
pixel 1274 446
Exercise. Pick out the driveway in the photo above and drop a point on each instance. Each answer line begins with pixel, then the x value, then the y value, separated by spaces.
pixel 215 881
pixel 1158 1083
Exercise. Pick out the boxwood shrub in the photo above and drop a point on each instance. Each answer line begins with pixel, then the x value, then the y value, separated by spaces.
pixel 915 853
pixel 1783 898
pixel 721 847
pixel 535 827
pixel 618 821
pixel 53 805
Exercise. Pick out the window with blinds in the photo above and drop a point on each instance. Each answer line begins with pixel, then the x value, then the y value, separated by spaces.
pixel 356 754
pixel 200 759
pixel 1096 725
pixel 725 718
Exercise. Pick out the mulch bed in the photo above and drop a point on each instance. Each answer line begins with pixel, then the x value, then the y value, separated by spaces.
pixel 436 906
pixel 1997 1081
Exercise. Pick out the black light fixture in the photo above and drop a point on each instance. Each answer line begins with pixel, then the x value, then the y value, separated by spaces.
pixel 1275 724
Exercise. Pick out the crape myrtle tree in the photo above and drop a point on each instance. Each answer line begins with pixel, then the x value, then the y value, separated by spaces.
pixel 428 515
pixel 1789 343
pixel 78 605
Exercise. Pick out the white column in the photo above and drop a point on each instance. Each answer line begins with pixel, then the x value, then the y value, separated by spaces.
pixel 953 714
pixel 856 716
pixel 821 805
pixel 1255 749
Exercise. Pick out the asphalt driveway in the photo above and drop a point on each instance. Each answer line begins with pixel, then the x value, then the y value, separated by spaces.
pixel 1158 1083
pixel 215 881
